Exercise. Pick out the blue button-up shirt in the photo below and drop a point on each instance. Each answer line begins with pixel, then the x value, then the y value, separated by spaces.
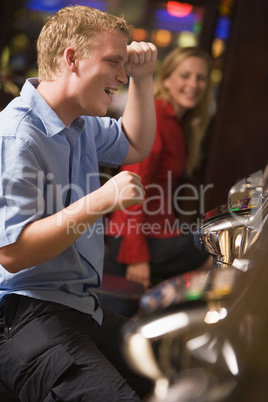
pixel 40 161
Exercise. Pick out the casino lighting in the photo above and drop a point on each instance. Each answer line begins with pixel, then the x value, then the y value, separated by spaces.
pixel 187 38
pixel 177 9
pixel 139 34
pixel 218 47
pixel 162 37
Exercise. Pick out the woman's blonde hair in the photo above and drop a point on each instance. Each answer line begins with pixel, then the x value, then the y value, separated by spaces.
pixel 73 26
pixel 196 120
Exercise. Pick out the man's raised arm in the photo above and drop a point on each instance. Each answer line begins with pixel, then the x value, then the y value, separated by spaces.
pixel 139 120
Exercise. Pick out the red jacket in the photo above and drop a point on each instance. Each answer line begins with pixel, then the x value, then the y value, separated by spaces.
pixel 160 173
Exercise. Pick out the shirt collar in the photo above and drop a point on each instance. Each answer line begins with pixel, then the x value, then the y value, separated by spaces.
pixel 50 119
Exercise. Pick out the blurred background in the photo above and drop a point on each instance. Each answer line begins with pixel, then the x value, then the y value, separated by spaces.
pixel 234 32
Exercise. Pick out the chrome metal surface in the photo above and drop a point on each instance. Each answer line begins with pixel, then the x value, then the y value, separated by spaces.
pixel 202 336
pixel 228 231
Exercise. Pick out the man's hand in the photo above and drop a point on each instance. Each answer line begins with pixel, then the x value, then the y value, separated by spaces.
pixel 123 190
pixel 142 58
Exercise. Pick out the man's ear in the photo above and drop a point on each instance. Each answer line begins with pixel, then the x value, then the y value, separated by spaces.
pixel 70 58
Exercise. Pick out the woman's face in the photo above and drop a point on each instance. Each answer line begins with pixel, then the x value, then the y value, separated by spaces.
pixel 187 84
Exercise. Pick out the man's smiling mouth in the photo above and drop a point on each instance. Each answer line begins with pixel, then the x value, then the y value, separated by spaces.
pixel 110 91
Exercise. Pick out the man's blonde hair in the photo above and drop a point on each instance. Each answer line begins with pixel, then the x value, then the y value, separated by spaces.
pixel 74 26
pixel 196 120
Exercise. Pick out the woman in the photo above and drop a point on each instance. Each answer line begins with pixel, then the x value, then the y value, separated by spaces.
pixel 146 243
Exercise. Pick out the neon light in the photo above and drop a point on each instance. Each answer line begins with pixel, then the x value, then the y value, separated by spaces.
pixel 52 6
pixel 139 34
pixel 177 9
pixel 223 28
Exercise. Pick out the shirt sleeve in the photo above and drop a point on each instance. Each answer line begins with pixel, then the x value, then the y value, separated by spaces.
pixel 21 191
pixel 112 144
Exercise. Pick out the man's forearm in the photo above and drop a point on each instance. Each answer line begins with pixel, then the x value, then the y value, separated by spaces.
pixel 139 120
pixel 44 239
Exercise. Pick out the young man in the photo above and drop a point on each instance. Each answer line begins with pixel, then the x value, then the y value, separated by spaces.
pixel 56 344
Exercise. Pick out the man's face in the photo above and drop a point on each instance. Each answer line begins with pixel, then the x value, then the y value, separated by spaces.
pixel 100 75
